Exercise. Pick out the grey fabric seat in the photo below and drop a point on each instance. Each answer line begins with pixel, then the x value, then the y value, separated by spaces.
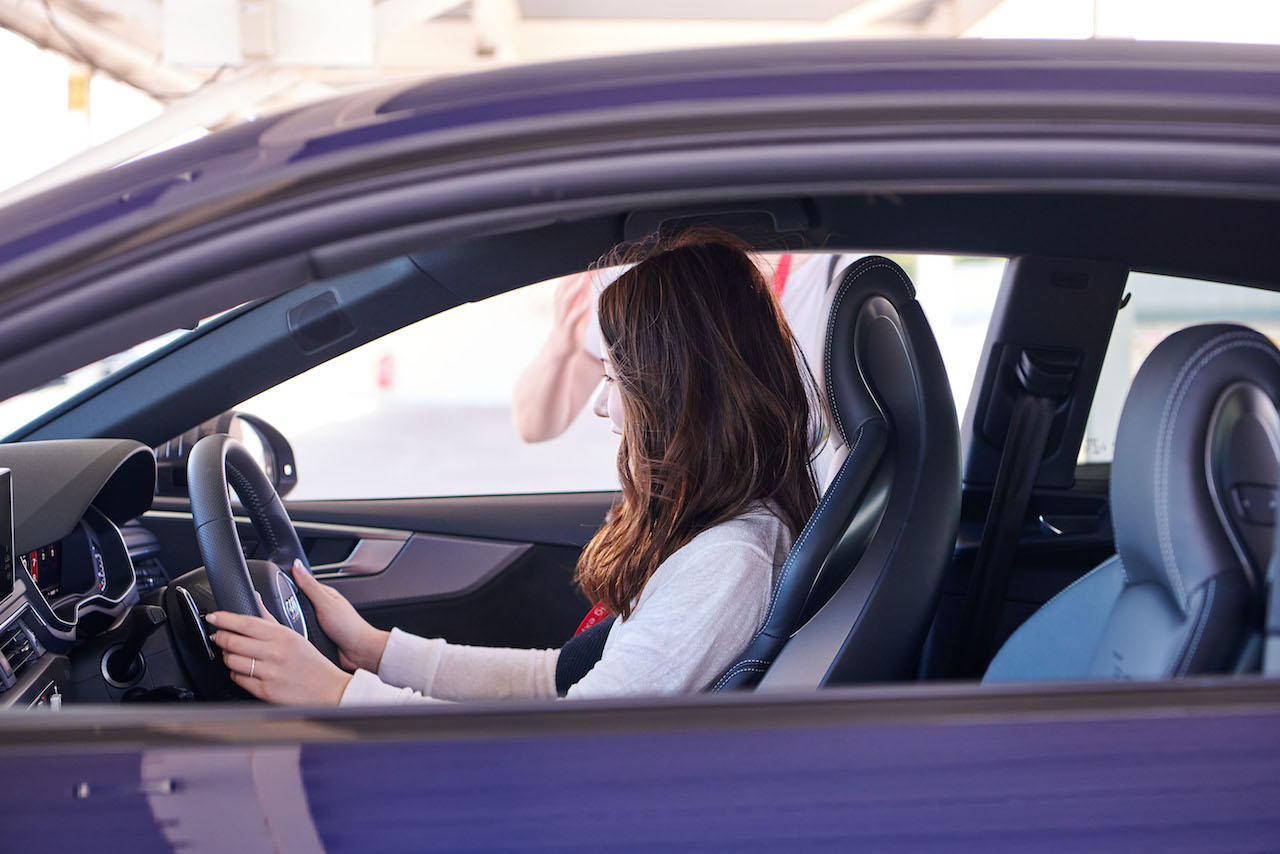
pixel 1192 484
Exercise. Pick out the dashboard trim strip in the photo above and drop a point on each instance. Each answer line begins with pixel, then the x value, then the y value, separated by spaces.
pixel 356 531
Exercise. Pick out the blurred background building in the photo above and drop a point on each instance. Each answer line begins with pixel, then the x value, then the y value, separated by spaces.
pixel 90 84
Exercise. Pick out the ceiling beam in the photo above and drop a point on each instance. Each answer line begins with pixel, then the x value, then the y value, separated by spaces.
pixel 957 17
pixel 206 108
pixel 392 16
pixel 62 31
pixel 864 16
pixel 496 22
pixel 149 14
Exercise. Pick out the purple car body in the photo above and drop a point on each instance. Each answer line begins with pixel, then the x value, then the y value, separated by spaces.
pixel 100 264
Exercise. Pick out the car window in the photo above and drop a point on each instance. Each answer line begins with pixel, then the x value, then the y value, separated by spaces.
pixel 958 295
pixel 24 408
pixel 1157 307
pixel 426 410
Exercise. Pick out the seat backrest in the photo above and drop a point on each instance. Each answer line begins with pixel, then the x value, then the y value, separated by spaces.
pixel 863 577
pixel 1196 463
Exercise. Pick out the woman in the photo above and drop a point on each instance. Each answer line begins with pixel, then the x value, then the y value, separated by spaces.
pixel 702 383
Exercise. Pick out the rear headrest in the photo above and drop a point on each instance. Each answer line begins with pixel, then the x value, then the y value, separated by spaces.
pixel 1196 460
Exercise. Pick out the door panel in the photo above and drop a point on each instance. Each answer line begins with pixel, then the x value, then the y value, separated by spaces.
pixel 532 603
pixel 566 519
pixel 495 571
pixel 458 565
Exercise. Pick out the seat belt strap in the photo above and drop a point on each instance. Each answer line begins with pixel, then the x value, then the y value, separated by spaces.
pixel 1041 388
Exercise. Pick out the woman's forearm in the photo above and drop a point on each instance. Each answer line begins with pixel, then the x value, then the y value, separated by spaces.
pixel 432 667
pixel 553 389
pixel 493 673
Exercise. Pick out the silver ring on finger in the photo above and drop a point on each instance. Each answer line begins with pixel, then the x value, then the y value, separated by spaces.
pixel 253 663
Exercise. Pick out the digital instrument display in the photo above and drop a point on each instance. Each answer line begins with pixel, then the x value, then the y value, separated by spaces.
pixel 45 566
pixel 6 533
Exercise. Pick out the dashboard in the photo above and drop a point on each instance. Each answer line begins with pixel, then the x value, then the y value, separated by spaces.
pixel 88 571
pixel 68 578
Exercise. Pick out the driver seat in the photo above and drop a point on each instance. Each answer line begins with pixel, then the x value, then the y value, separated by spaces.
pixel 856 595
pixel 1197 461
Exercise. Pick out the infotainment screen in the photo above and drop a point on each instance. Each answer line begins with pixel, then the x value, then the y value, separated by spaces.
pixel 6 533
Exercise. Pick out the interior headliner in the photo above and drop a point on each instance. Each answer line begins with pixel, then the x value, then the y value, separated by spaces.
pixel 1215 239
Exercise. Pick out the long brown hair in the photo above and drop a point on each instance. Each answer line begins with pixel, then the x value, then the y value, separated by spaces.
pixel 716 408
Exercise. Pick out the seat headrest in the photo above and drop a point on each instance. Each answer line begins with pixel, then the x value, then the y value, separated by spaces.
pixel 847 401
pixel 1196 460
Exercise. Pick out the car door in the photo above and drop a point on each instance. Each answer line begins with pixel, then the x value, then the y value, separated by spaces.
pixel 489 570
pixel 1182 766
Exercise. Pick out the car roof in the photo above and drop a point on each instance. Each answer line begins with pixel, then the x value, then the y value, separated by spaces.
pixel 956 75
pixel 1159 157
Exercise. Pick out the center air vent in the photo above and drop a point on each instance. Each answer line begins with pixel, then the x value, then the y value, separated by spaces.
pixel 18 649
pixel 150 573
pixel 144 552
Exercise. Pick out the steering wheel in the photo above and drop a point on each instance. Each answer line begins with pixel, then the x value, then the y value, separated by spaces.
pixel 217 462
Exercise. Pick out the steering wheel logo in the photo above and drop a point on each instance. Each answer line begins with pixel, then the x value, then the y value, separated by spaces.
pixel 287 596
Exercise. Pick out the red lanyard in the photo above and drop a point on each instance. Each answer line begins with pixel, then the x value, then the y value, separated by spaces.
pixel 780 277
pixel 595 615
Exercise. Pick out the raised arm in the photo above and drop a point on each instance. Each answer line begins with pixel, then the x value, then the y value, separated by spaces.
pixel 557 383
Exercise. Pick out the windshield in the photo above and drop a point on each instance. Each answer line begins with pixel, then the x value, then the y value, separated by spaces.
pixel 24 408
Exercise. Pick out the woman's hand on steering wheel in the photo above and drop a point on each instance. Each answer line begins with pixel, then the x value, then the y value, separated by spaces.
pixel 359 644
pixel 274 663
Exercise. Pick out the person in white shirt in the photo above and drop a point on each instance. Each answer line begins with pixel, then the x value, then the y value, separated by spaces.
pixel 702 385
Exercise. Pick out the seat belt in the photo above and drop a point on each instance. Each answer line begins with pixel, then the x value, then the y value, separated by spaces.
pixel 1043 383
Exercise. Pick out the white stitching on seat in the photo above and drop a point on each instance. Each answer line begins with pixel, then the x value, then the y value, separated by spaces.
pixel 858 269
pixel 746 664
pixel 808 529
pixel 1063 592
pixel 1204 621
pixel 1163 436
pixel 1085 577
pixel 724 680
pixel 1169 418
pixel 845 468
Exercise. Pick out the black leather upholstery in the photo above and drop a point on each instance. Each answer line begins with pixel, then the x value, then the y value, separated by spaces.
pixel 1196 462
pixel 867 588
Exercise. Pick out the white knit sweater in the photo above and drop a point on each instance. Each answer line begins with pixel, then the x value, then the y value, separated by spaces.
pixel 696 614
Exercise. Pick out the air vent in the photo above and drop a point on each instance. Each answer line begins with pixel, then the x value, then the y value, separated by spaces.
pixel 18 649
pixel 150 573
pixel 144 552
